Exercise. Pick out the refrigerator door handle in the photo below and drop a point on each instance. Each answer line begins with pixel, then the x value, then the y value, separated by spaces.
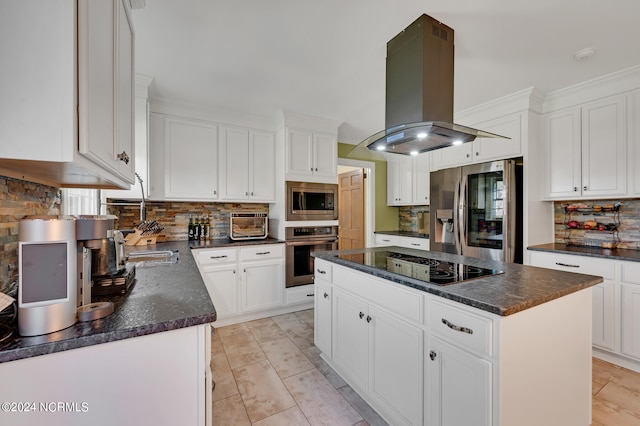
pixel 460 224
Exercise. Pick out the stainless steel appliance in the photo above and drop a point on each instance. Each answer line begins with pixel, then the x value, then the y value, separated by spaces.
pixel 476 211
pixel 248 225
pixel 300 242
pixel 312 201
pixel 419 92
pixel 47 285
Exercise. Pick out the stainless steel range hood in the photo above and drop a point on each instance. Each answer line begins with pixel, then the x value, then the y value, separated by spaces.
pixel 419 93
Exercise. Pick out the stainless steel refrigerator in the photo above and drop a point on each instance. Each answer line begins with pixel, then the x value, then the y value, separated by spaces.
pixel 476 211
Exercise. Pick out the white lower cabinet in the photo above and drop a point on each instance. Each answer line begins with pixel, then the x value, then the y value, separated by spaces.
pixel 630 309
pixel 420 359
pixel 402 241
pixel 243 280
pixel 322 316
pixel 459 386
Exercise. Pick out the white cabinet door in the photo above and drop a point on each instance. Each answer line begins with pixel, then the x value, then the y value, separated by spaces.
pixel 350 337
pixel 299 152
pixel 422 179
pixel 452 156
pixel 262 285
pixel 222 285
pixel 487 149
pixel 630 309
pixel 604 144
pixel 234 163
pixel 562 154
pixel 105 80
pixel 322 316
pixel 399 180
pixel 325 155
pixel 396 364
pixel 262 166
pixel 604 315
pixel 191 159
pixel 458 386
pixel 634 144
pixel 387 240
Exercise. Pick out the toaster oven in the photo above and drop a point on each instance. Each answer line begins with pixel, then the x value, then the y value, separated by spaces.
pixel 248 225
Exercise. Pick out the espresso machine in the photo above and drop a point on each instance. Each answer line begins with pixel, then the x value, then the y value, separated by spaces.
pixel 60 257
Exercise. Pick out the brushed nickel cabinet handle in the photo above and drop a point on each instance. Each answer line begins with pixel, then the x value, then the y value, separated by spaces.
pixel 567 265
pixel 457 327
pixel 124 157
pixel 361 315
pixel 262 253
pixel 320 271
pixel 326 296
pixel 218 257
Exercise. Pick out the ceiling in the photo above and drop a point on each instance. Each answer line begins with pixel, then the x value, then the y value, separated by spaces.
pixel 327 58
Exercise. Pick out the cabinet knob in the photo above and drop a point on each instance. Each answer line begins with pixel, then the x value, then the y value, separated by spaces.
pixel 467 155
pixel 584 188
pixel 432 355
pixel 316 169
pixel 575 189
pixel 252 194
pixel 368 318
pixel 361 315
pixel 325 295
pixel 477 153
pixel 215 192
pixel 246 193
pixel 311 169
pixel 124 157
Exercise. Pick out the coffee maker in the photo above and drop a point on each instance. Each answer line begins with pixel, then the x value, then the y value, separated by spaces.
pixel 58 258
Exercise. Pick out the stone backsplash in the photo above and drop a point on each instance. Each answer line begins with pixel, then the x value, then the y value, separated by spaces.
pixel 19 199
pixel 628 227
pixel 408 217
pixel 174 216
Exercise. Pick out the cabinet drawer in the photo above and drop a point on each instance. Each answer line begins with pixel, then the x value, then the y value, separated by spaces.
pixel 300 294
pixel 461 327
pixel 387 240
pixel 262 252
pixel 390 296
pixel 214 257
pixel 579 264
pixel 323 270
pixel 416 243
pixel 630 272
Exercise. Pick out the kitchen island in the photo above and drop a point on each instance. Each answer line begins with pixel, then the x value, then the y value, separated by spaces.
pixel 510 348
pixel 147 363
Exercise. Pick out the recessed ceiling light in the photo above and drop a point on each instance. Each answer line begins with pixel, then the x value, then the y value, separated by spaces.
pixel 584 54
pixel 380 147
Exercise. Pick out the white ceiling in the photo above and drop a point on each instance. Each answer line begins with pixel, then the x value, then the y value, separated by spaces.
pixel 327 57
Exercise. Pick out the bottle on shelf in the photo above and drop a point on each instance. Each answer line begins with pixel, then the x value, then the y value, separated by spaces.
pixel 196 229
pixel 190 229
pixel 207 228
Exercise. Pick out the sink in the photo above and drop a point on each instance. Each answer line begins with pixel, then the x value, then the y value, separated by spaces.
pixel 153 257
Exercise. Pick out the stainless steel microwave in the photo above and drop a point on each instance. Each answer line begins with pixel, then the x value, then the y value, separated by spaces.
pixel 312 201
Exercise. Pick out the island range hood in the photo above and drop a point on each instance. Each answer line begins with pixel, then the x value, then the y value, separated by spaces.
pixel 419 93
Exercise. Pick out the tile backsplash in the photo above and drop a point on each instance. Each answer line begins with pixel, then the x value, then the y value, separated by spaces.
pixel 19 199
pixel 628 228
pixel 408 216
pixel 174 216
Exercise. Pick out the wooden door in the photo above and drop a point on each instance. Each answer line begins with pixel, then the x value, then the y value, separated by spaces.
pixel 351 210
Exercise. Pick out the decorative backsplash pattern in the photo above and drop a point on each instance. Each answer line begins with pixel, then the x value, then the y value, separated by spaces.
pixel 19 199
pixel 408 217
pixel 174 215
pixel 628 228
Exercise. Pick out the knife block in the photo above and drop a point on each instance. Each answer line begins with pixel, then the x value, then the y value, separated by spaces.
pixel 137 239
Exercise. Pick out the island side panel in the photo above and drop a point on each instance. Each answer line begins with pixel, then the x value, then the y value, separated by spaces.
pixel 545 363
pixel 154 379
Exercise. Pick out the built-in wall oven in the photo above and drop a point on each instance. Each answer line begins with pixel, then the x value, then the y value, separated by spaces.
pixel 300 242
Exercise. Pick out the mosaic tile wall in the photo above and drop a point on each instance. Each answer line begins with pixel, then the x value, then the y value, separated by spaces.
pixel 18 199
pixel 628 228
pixel 408 217
pixel 174 216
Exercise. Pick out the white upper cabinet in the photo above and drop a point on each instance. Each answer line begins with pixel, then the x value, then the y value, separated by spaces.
pixel 311 156
pixel 585 150
pixel 453 156
pixel 422 179
pixel 634 144
pixel 190 158
pixel 399 180
pixel 78 65
pixel 247 165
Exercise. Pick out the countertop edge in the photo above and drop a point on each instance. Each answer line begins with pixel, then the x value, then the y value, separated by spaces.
pixel 612 254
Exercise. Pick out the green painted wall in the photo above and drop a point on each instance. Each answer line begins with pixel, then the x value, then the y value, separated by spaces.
pixel 386 217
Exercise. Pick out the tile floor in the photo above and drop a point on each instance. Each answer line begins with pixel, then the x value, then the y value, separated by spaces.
pixel 268 372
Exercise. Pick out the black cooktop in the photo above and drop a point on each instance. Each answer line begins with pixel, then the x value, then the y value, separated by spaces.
pixel 423 268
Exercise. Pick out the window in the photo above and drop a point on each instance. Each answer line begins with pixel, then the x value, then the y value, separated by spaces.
pixel 77 201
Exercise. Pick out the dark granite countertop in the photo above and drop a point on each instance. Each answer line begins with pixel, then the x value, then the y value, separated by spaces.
pixel 411 234
pixel 520 287
pixel 163 298
pixel 615 254
pixel 228 242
